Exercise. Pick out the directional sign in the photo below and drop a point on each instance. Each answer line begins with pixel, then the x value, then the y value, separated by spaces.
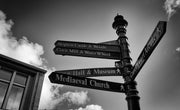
pixel 88 46
pixel 93 72
pixel 149 47
pixel 87 53
pixel 86 82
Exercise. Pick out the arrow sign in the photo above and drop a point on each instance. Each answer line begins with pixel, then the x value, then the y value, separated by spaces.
pixel 87 53
pixel 88 46
pixel 86 82
pixel 93 72
pixel 149 47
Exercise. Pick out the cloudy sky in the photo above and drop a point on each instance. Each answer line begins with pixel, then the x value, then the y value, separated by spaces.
pixel 29 29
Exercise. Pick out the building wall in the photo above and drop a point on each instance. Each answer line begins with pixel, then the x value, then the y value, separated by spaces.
pixel 19 82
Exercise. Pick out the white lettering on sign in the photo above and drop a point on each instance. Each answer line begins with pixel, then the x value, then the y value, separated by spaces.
pixel 92 72
pixel 99 46
pixel 81 45
pixel 122 88
pixel 84 82
pixel 71 80
pixel 148 49
pixel 104 71
pixel 65 44
pixel 88 46
pixel 73 51
pixel 94 83
pixel 152 42
pixel 86 52
pixel 89 72
pixel 75 72
pixel 138 64
pixel 96 53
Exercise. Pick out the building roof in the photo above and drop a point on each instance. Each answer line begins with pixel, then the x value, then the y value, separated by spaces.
pixel 16 64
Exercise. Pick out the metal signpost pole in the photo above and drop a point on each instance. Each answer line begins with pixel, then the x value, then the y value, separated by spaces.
pixel 132 97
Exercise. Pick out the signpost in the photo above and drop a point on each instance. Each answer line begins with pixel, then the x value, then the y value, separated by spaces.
pixel 87 53
pixel 86 82
pixel 93 72
pixel 149 47
pixel 116 50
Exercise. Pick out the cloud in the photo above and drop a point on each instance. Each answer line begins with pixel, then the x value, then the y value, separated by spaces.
pixel 21 49
pixel 171 7
pixel 25 51
pixel 54 98
pixel 77 98
pixel 31 53
pixel 91 107
pixel 178 49
pixel 177 54
pixel 47 94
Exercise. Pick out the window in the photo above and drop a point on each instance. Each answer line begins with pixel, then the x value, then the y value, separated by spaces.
pixel 12 87
pixel 3 89
pixel 5 75
pixel 15 98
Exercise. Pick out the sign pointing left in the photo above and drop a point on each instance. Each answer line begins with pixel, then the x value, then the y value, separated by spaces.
pixel 86 82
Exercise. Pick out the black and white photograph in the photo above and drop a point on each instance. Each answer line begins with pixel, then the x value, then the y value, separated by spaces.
pixel 89 54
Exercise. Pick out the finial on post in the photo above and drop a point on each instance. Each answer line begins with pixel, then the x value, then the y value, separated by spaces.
pixel 119 21
pixel 120 24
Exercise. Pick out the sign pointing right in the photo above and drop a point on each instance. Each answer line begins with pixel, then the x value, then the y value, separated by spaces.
pixel 93 72
pixel 149 47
